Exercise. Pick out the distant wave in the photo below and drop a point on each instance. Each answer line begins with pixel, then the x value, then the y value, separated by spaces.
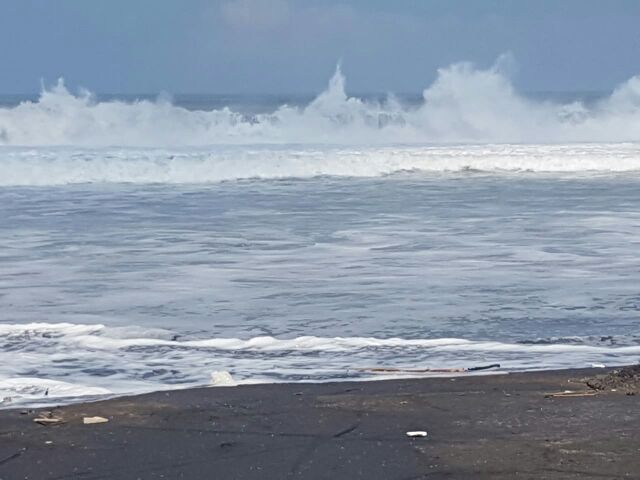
pixel 463 105
pixel 63 166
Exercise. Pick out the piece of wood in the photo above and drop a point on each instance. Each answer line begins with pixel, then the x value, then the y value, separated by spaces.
pixel 403 370
pixel 570 394
pixel 428 370
pixel 47 421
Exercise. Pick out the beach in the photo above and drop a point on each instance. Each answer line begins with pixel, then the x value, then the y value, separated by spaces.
pixel 337 239
pixel 547 424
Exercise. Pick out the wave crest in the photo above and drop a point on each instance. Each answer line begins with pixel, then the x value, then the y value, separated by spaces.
pixel 464 105
pixel 29 167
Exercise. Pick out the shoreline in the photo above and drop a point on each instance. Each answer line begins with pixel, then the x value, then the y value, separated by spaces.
pixel 478 426
pixel 376 374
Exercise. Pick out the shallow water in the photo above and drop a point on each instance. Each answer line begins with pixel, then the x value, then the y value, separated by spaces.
pixel 259 277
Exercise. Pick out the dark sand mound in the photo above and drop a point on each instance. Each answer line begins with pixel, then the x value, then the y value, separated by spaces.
pixel 626 380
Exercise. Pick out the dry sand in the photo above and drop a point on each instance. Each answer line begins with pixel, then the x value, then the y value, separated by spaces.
pixel 494 427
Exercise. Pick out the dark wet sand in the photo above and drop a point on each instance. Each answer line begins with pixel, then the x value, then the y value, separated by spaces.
pixel 497 427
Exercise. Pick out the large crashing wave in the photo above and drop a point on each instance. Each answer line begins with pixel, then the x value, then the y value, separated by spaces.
pixel 469 119
pixel 463 105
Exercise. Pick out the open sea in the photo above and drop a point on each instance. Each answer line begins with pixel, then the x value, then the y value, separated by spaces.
pixel 148 242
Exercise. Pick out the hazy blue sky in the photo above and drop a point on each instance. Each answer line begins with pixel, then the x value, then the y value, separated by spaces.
pixel 133 46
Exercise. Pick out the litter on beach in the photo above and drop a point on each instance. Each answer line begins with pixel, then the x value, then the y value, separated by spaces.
pixel 222 379
pixel 570 393
pixel 429 370
pixel 47 420
pixel 417 433
pixel 92 420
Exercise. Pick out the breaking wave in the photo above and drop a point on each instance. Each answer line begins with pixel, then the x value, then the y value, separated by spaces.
pixel 468 119
pixel 29 167
pixel 70 361
pixel 463 105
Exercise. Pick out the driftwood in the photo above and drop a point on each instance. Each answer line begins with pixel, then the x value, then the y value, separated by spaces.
pixel 570 393
pixel 428 370
pixel 47 421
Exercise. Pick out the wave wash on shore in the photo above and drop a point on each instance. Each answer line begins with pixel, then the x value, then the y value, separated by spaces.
pixel 463 105
pixel 68 361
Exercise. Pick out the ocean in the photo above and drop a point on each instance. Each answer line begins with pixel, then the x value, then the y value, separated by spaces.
pixel 149 242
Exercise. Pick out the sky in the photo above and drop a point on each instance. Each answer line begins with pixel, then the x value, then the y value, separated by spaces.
pixel 293 46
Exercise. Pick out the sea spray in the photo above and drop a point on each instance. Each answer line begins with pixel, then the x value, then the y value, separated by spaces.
pixel 465 104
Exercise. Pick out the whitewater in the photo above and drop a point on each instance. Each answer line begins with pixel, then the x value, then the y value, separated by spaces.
pixel 147 244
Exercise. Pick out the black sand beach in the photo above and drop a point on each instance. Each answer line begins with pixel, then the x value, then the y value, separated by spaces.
pixel 498 427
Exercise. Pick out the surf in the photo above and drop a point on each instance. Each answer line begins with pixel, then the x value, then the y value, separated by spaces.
pixel 102 360
pixel 465 104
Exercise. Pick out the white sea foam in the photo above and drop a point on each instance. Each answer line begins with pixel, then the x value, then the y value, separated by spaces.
pixel 464 104
pixel 64 138
pixel 104 360
pixel 23 167
pixel 38 388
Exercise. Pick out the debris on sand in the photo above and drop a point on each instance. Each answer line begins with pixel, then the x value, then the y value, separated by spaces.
pixel 93 420
pixel 625 380
pixel 570 393
pixel 222 379
pixel 47 421
pixel 429 370
pixel 417 433
pixel 47 418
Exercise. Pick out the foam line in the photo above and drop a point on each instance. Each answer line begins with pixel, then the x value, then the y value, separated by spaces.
pixel 26 167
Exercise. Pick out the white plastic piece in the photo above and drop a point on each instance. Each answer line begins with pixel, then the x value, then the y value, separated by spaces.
pixel 417 433
pixel 92 420
pixel 222 379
